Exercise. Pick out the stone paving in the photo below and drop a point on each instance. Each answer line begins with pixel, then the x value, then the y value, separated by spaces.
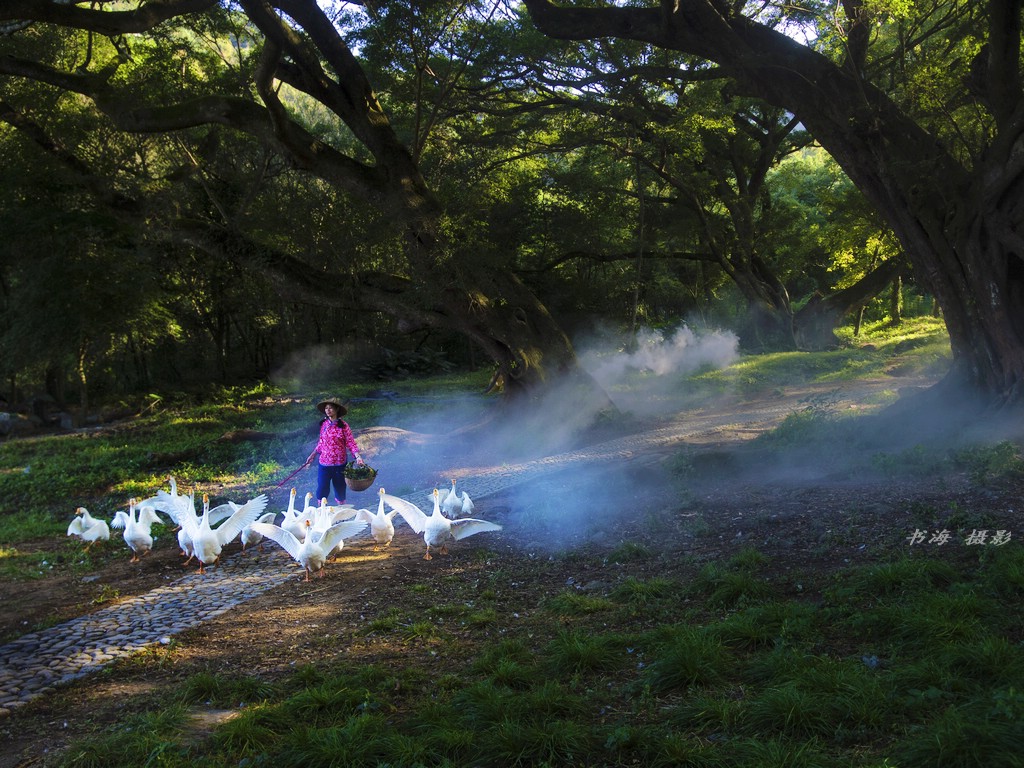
pixel 37 662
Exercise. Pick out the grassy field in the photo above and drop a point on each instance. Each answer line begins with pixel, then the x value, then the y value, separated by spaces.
pixel 913 658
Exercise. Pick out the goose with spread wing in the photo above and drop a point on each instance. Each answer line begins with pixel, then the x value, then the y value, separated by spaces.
pixel 137 523
pixel 88 528
pixel 313 550
pixel 251 538
pixel 181 508
pixel 437 529
pixel 382 526
pixel 325 516
pixel 207 542
pixel 176 505
pixel 170 503
pixel 455 506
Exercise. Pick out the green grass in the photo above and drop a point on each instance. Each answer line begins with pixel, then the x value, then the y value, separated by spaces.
pixel 573 651
pixel 691 657
pixel 224 691
pixel 573 603
pixel 917 346
pixel 903 663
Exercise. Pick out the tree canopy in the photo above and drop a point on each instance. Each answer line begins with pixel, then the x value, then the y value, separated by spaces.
pixel 266 175
pixel 918 102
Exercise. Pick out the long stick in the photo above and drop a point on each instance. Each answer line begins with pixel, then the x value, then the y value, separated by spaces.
pixel 293 474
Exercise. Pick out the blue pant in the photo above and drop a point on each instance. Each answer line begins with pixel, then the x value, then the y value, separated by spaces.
pixel 327 474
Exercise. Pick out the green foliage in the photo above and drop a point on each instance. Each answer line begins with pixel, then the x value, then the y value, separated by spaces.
pixel 980 733
pixel 904 576
pixel 709 711
pixel 1001 461
pixel 729 586
pixel 544 742
pixel 355 472
pixel 1003 573
pixel 747 559
pixel 628 552
pixel 147 738
pixel 777 752
pixel 918 460
pixel 909 347
pixel 256 729
pixel 394 365
pixel 575 651
pixel 225 691
pixel 767 624
pixel 912 661
pixel 573 603
pixel 901 663
pixel 330 703
pixel 788 710
pixel 690 657
pixel 504 652
pixel 639 591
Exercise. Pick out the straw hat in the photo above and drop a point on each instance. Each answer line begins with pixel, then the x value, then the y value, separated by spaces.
pixel 322 406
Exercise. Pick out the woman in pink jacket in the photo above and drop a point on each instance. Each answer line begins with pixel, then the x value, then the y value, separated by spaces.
pixel 335 443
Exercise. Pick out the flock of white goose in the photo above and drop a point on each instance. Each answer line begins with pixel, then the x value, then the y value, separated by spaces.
pixel 310 535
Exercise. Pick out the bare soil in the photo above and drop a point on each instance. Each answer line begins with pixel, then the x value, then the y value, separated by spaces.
pixel 808 521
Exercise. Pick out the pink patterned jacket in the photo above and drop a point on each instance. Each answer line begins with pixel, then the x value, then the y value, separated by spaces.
pixel 335 437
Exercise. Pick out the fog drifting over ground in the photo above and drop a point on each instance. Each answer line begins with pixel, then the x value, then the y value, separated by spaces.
pixel 645 379
pixel 641 376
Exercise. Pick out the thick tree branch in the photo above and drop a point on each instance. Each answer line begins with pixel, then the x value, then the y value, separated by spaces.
pixel 780 70
pixel 611 258
pixel 869 286
pixel 392 295
pixel 233 112
pixel 352 99
pixel 141 19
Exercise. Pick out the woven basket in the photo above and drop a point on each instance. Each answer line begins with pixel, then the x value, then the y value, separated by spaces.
pixel 361 483
pixel 358 485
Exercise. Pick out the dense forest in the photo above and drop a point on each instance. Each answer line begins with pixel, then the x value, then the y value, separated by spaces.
pixel 201 191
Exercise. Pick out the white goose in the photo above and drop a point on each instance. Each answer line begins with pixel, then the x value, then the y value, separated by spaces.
pixel 308 505
pixel 453 506
pixel 137 528
pixel 295 519
pixel 290 510
pixel 208 542
pixel 251 538
pixel 382 526
pixel 177 506
pixel 325 516
pixel 312 552
pixel 170 503
pixel 174 504
pixel 88 528
pixel 437 529
pixel 183 505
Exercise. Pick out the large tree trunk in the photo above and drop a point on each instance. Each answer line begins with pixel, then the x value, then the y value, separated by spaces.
pixel 986 303
pixel 962 229
pixel 816 321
